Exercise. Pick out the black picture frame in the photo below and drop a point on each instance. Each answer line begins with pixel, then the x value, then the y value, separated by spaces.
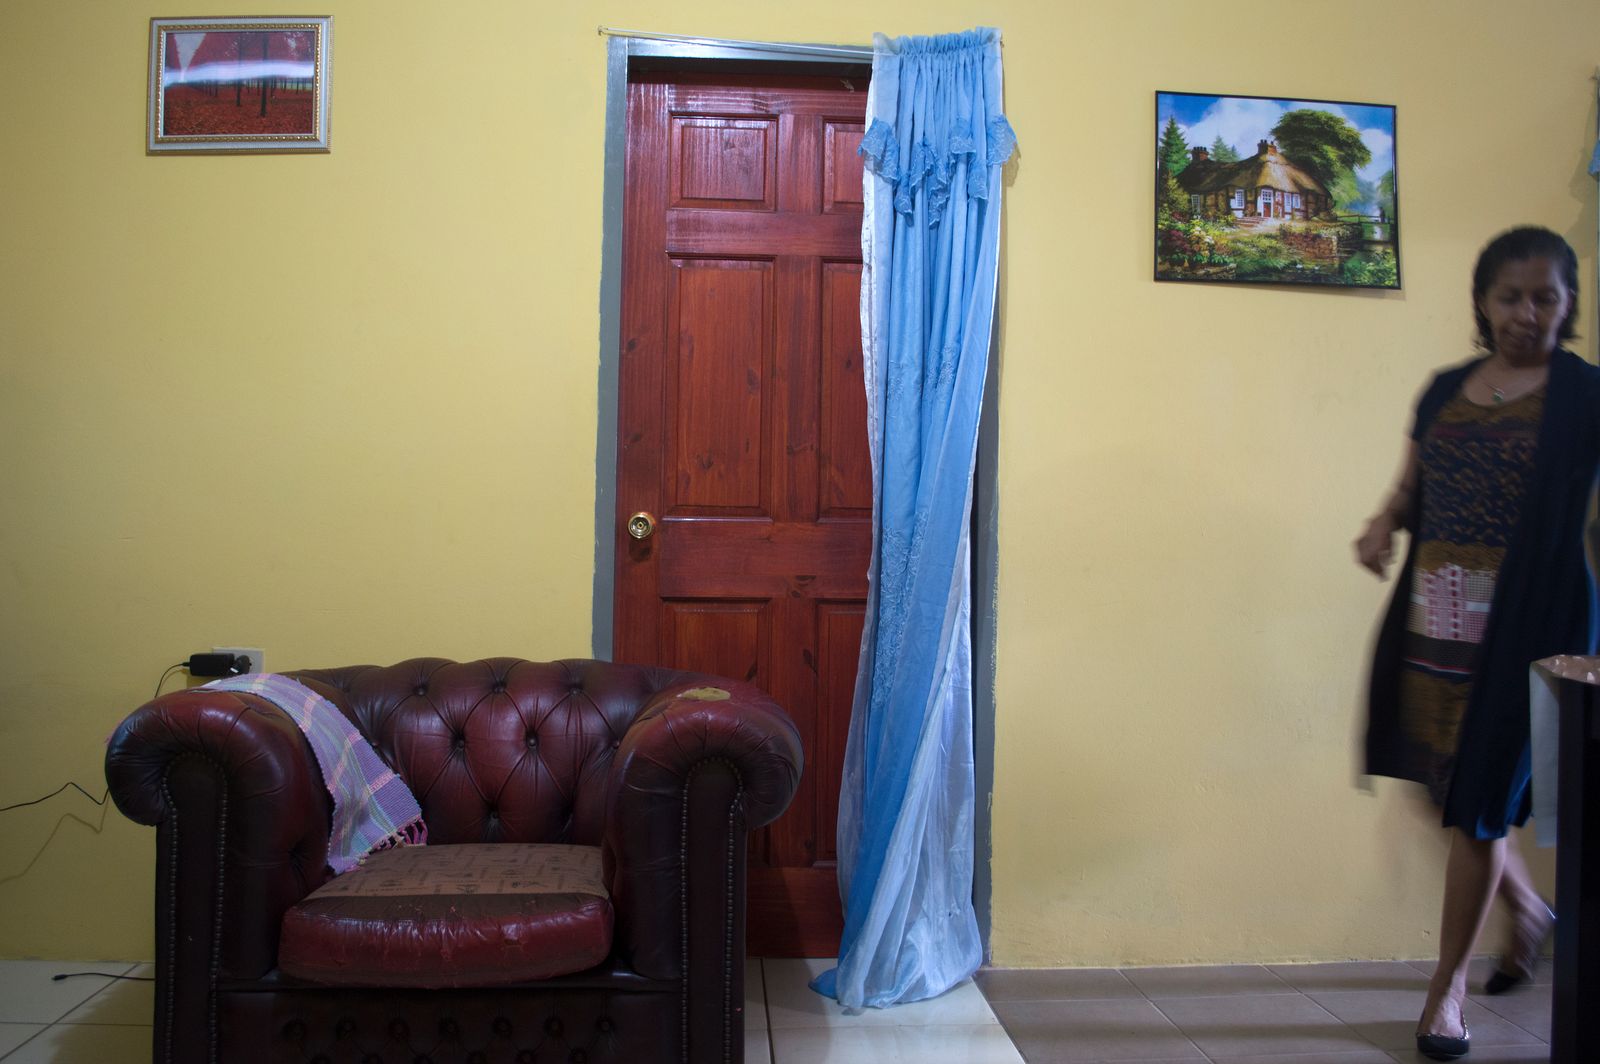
pixel 1275 190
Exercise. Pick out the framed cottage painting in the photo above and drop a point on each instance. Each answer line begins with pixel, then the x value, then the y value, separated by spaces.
pixel 1262 190
pixel 239 84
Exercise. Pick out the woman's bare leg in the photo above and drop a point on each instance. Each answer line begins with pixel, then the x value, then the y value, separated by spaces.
pixel 1472 877
pixel 1530 915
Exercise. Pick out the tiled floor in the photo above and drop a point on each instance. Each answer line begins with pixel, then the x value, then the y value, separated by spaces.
pixel 786 1023
pixel 1360 1013
pixel 87 1019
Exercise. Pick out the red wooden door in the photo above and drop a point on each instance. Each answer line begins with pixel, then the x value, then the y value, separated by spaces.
pixel 742 430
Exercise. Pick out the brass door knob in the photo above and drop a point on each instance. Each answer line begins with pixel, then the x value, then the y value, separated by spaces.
pixel 642 525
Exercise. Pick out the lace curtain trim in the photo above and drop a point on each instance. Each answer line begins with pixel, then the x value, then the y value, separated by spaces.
pixel 934 168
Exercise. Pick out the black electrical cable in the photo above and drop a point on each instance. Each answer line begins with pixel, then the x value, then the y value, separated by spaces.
pixel 107 793
pixel 104 975
pixel 170 670
pixel 97 801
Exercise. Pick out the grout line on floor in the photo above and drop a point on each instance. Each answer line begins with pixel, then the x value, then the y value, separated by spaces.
pixel 18 1047
pixel 766 1007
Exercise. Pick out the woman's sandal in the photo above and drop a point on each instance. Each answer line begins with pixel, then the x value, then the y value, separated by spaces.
pixel 1514 970
pixel 1443 1047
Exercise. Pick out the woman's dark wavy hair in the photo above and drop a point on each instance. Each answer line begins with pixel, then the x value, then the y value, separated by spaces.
pixel 1519 245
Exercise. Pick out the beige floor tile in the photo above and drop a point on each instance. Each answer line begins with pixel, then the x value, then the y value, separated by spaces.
pixel 1351 976
pixel 1054 984
pixel 13 1035
pixel 86 1044
pixel 1389 1020
pixel 29 995
pixel 1206 981
pixel 1360 1056
pixel 1270 1026
pixel 979 1044
pixel 1527 1007
pixel 1481 967
pixel 1079 1032
pixel 792 1003
pixel 1479 1055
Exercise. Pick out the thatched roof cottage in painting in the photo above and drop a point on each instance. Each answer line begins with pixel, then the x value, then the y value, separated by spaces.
pixel 1265 185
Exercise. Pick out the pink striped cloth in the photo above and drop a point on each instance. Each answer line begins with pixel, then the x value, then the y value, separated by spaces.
pixel 373 809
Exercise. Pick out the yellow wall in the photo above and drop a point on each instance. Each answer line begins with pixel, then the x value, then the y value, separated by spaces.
pixel 343 407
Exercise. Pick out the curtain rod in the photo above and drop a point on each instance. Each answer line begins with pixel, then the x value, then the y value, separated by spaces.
pixel 845 50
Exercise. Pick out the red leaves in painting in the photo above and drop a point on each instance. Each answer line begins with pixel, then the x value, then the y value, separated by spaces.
pixel 194 110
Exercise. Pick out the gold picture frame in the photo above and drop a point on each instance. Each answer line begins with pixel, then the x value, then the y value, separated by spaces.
pixel 229 85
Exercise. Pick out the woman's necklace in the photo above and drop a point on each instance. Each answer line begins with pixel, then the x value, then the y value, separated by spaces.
pixel 1498 394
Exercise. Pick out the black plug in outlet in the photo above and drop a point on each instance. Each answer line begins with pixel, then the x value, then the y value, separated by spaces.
pixel 217 664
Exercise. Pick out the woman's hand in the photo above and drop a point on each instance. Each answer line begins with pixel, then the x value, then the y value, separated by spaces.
pixel 1375 546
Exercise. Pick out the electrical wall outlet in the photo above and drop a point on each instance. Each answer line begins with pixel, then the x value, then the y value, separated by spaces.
pixel 257 656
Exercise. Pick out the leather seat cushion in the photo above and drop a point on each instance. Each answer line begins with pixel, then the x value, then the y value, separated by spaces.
pixel 475 914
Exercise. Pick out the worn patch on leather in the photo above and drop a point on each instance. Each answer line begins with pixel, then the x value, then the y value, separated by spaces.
pixel 706 694
pixel 472 868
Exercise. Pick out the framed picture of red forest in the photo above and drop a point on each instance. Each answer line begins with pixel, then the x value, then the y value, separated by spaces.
pixel 1263 190
pixel 239 84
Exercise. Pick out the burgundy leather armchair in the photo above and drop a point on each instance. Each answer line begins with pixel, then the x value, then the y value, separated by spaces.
pixel 665 772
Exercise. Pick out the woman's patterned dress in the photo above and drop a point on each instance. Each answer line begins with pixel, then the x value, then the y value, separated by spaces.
pixel 1475 462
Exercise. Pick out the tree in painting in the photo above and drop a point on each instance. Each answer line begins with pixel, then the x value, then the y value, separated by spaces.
pixel 1322 144
pixel 1174 148
pixel 1223 152
pixel 1172 156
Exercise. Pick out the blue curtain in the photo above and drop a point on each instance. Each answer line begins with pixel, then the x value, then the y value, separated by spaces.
pixel 935 141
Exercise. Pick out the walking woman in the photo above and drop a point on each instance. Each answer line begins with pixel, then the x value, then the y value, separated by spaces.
pixel 1495 491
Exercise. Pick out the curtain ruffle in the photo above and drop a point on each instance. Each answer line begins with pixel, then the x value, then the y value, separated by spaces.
pixel 935 167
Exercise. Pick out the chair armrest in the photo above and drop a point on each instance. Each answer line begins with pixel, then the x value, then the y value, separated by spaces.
pixel 705 762
pixel 242 824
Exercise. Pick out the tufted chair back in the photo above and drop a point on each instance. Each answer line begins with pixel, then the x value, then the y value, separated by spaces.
pixel 499 750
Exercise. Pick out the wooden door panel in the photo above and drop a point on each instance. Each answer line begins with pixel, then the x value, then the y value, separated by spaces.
pixel 723 162
pixel 755 557
pixel 796 387
pixel 742 424
pixel 754 233
pixel 842 167
pixel 719 637
pixel 839 626
pixel 719 337
pixel 844 99
pixel 846 466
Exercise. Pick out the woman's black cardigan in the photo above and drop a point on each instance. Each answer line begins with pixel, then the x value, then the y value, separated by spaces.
pixel 1544 603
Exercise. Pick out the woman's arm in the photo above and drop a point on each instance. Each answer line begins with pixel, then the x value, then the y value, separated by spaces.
pixel 1375 546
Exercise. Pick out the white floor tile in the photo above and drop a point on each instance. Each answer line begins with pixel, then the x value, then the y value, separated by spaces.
pixel 86 1044
pixel 757 1047
pixel 29 995
pixel 792 1003
pixel 13 1035
pixel 978 1044
pixel 125 1001
pixel 755 996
